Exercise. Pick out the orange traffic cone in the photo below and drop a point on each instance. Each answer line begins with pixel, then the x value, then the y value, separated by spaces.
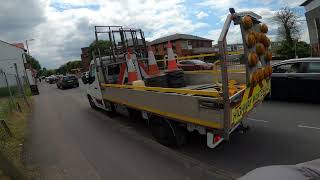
pixel 132 73
pixel 122 73
pixel 172 62
pixel 153 66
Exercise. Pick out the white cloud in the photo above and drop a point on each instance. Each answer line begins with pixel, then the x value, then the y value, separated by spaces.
pixel 220 4
pixel 201 15
pixel 61 27
pixel 65 30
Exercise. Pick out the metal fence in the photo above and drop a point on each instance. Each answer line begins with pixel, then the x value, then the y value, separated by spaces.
pixel 13 89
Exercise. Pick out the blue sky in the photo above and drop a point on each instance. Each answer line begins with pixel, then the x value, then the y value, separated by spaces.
pixel 61 27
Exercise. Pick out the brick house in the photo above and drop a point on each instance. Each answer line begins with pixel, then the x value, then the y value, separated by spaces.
pixel 312 8
pixel 182 45
pixel 85 58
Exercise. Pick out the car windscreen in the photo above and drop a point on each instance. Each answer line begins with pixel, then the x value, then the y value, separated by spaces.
pixel 69 78
pixel 198 62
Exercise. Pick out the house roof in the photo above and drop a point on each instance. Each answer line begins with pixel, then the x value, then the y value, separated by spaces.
pixel 12 45
pixel 176 37
pixel 306 2
pixel 19 45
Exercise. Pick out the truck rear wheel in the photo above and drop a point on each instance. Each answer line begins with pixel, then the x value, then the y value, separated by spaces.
pixel 134 115
pixel 168 133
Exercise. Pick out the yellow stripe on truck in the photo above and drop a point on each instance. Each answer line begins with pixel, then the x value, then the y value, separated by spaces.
pixel 166 90
pixel 178 117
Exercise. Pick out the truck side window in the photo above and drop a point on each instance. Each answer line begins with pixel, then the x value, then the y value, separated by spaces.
pixel 314 67
pixel 92 73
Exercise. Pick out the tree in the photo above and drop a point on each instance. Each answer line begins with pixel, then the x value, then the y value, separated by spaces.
pixel 303 49
pixel 103 45
pixel 289 27
pixel 67 67
pixel 33 62
pixel 288 31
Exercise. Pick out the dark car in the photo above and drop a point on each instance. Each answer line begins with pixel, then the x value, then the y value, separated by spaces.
pixel 67 82
pixel 296 79
pixel 194 65
pixel 85 77
pixel 52 79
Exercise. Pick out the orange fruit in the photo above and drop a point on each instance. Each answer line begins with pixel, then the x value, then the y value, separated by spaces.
pixel 260 49
pixel 232 92
pixel 263 28
pixel 265 40
pixel 268 56
pixel 266 72
pixel 250 39
pixel 242 86
pixel 259 36
pixel 252 59
pixel 247 22
pixel 260 75
pixel 253 78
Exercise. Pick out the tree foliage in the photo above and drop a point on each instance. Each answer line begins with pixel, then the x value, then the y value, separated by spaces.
pixel 103 45
pixel 34 63
pixel 288 22
pixel 300 48
pixel 289 30
pixel 63 69
pixel 67 67
pixel 45 72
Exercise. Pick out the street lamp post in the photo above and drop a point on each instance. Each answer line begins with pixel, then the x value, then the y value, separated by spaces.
pixel 28 46
pixel 295 49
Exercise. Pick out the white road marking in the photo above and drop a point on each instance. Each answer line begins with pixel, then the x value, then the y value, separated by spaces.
pixel 309 127
pixel 257 120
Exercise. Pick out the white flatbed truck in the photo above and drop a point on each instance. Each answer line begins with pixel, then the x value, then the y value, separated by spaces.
pixel 171 113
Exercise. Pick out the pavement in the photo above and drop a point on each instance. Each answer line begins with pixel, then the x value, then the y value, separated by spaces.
pixel 69 140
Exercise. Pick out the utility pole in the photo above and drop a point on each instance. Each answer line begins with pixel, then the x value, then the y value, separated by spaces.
pixel 295 49
pixel 27 47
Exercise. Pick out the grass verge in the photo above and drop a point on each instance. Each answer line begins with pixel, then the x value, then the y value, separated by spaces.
pixel 11 148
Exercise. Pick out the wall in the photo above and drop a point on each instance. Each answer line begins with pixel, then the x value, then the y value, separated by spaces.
pixel 181 47
pixel 85 59
pixel 8 56
pixel 314 32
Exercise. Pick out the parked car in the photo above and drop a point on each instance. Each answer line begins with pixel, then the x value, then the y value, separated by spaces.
pixel 51 79
pixel 296 79
pixel 85 77
pixel 67 82
pixel 194 65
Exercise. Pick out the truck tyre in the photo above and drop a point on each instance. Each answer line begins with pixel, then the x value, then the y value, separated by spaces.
pixel 134 115
pixel 180 135
pixel 162 131
pixel 92 105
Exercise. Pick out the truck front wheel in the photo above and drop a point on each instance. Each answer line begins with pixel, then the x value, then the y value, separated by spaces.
pixel 93 106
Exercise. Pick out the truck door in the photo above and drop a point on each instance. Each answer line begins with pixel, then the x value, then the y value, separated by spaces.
pixel 94 89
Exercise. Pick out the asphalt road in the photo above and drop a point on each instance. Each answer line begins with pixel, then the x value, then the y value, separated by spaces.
pixel 71 141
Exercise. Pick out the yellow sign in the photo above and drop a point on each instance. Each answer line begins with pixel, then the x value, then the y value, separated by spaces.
pixel 247 103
